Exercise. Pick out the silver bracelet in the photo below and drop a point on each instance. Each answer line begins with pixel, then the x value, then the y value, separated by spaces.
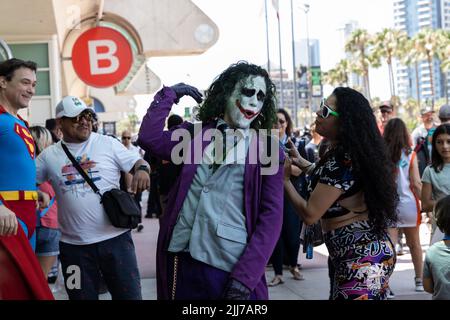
pixel 309 169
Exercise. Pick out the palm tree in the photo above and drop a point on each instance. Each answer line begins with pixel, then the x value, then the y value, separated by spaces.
pixel 409 56
pixel 388 44
pixel 425 43
pixel 343 68
pixel 411 108
pixel 338 76
pixel 357 44
pixel 331 77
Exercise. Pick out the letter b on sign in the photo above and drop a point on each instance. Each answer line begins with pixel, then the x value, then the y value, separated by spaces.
pixel 102 57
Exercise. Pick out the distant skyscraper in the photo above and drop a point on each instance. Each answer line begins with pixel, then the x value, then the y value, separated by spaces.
pixel 301 58
pixel 413 16
pixel 301 53
pixel 347 29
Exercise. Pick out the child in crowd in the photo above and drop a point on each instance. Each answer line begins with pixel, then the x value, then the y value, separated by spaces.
pixel 47 231
pixel 436 271
pixel 436 177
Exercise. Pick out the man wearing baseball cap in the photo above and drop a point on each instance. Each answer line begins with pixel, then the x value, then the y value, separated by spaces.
pixel 88 239
pixel 444 113
pixel 421 137
pixel 387 112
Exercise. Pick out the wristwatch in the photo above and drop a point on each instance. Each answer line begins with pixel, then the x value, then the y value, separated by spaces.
pixel 144 168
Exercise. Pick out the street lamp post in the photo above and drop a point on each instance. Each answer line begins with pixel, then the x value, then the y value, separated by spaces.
pixel 295 108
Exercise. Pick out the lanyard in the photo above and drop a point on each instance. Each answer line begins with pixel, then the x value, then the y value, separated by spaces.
pixel 44 211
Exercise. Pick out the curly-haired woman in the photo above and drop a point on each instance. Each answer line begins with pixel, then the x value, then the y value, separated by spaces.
pixel 353 192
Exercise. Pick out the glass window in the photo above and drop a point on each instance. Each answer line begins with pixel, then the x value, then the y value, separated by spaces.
pixel 37 52
pixel 43 83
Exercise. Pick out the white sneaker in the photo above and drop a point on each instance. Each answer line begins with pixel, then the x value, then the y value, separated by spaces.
pixel 399 249
pixel 390 294
pixel 419 285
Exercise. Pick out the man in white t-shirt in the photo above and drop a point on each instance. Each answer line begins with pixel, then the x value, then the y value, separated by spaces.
pixel 421 138
pixel 90 244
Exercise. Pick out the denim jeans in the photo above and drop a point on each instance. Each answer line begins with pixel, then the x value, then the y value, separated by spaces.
pixel 116 260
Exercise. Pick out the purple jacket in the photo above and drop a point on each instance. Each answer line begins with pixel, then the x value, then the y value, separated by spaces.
pixel 263 201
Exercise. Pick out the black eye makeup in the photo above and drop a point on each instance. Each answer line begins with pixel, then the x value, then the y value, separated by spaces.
pixel 260 96
pixel 248 92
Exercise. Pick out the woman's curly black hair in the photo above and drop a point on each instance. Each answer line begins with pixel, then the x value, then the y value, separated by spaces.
pixel 360 137
pixel 221 89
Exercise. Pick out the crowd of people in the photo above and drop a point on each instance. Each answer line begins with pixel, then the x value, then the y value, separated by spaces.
pixel 235 191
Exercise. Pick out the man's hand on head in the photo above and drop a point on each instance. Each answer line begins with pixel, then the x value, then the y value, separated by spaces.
pixel 182 89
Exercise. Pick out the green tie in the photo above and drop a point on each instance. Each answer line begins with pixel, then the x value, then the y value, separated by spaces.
pixel 222 128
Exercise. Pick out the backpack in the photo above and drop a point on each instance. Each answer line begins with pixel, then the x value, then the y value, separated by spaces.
pixel 423 156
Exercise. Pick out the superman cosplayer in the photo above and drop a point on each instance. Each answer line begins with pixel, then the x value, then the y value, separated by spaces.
pixel 21 276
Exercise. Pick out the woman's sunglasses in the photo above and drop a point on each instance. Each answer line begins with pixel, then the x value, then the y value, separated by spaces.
pixel 325 110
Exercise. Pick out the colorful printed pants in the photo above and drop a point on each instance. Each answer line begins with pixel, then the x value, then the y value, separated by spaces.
pixel 362 261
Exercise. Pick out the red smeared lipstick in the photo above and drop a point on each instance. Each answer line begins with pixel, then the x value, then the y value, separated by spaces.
pixel 248 114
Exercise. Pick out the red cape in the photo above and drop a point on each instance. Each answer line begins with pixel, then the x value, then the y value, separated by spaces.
pixel 22 271
pixel 21 276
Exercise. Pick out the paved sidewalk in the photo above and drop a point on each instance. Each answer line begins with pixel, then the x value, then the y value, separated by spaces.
pixel 314 287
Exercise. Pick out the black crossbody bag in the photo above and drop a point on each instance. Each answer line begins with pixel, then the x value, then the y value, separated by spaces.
pixel 120 206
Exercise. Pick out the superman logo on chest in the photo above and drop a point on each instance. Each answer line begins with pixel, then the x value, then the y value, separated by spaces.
pixel 23 133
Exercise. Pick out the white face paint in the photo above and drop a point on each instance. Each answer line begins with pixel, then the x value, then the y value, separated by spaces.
pixel 245 102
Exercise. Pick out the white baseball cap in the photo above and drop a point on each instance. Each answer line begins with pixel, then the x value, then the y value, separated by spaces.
pixel 70 107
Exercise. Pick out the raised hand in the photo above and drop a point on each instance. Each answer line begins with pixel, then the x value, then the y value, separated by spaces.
pixel 292 150
pixel 182 89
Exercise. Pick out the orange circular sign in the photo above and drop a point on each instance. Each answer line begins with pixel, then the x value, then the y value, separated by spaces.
pixel 102 57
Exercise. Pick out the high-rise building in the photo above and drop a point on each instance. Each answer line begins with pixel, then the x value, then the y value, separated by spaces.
pixel 413 16
pixel 301 59
pixel 355 80
pixel 301 53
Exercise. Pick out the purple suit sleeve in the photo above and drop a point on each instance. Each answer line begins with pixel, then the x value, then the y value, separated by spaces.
pixel 251 266
pixel 152 137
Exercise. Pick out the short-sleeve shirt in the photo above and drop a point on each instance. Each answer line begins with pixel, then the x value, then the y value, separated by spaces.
pixel 437 267
pixel 50 219
pixel 335 171
pixel 82 219
pixel 440 181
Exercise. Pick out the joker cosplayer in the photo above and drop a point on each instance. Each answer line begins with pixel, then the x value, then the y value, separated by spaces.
pixel 223 217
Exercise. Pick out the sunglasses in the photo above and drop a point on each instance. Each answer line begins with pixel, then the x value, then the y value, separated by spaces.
pixel 128 138
pixel 281 121
pixel 88 116
pixel 325 110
